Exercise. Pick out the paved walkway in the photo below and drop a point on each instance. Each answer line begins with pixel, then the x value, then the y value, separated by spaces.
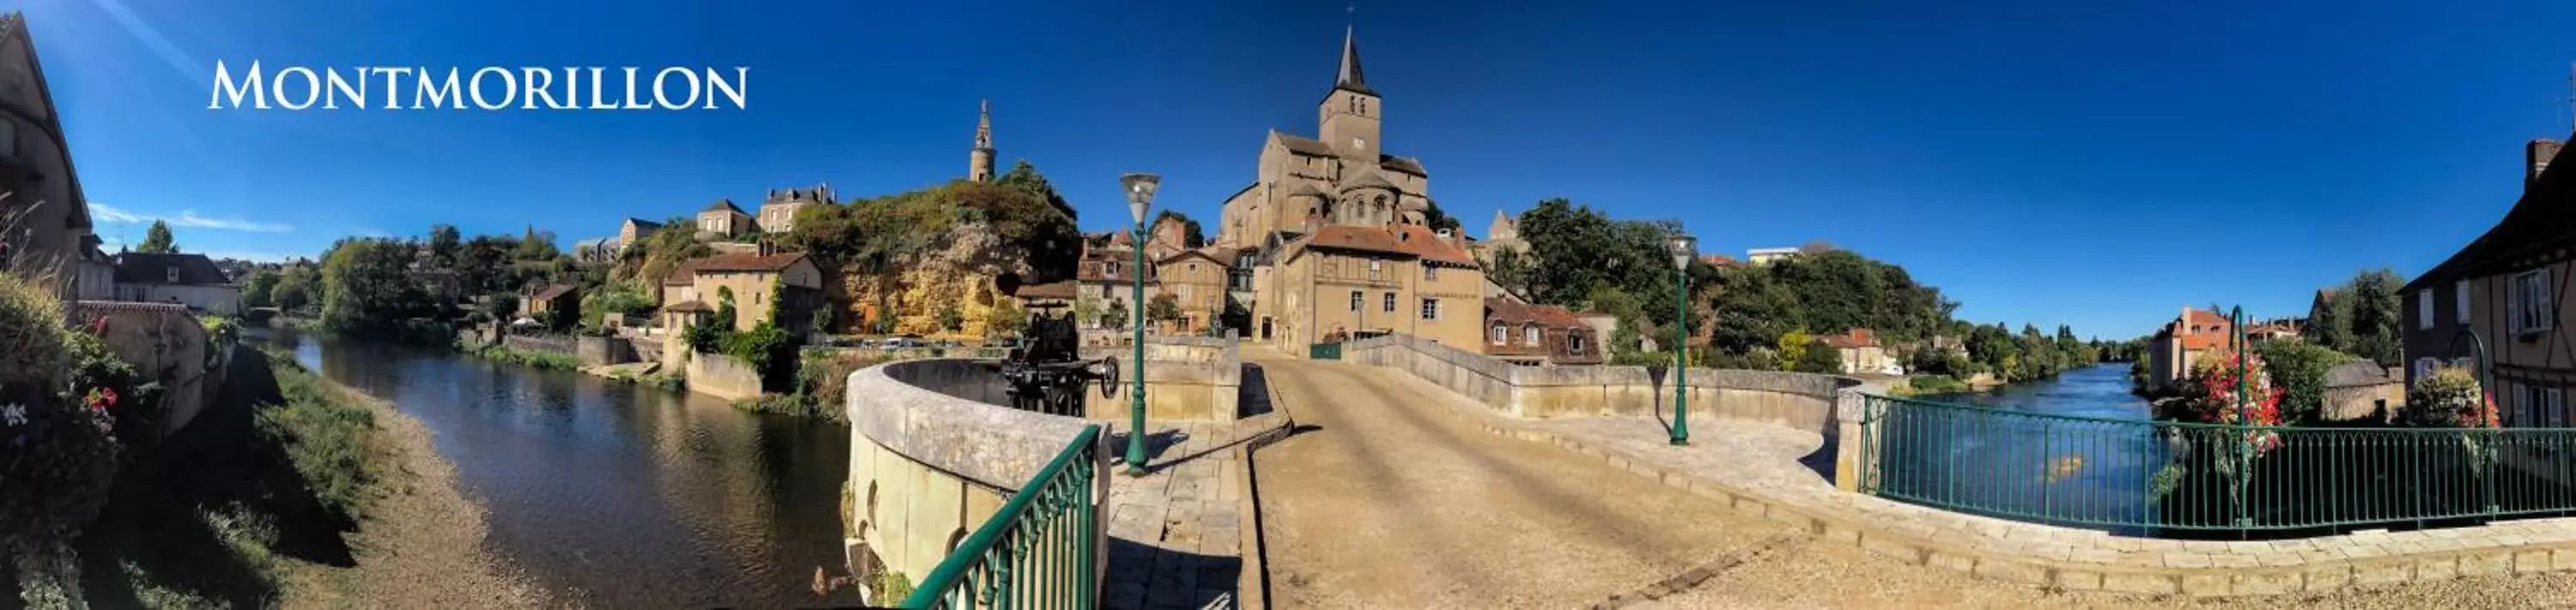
pixel 1385 499
pixel 1175 534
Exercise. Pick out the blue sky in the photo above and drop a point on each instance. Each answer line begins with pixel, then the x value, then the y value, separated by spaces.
pixel 2098 165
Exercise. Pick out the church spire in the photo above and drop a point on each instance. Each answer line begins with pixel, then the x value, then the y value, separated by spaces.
pixel 1350 77
pixel 979 161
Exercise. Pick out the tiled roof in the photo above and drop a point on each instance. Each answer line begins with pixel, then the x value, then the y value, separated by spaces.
pixel 147 268
pixel 682 275
pixel 1410 240
pixel 1064 290
pixel 722 205
pixel 1214 254
pixel 689 307
pixel 1851 339
pixel 1401 164
pixel 554 292
pixel 1498 309
pixel 642 224
pixel 1721 260
pixel 747 262
pixel 1305 146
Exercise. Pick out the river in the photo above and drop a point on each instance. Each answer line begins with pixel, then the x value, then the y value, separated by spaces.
pixel 2061 462
pixel 619 495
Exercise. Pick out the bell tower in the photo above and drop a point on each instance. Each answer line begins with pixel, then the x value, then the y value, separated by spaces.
pixel 979 162
pixel 1349 114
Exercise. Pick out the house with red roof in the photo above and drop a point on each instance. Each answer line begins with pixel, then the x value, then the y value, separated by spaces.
pixel 2175 345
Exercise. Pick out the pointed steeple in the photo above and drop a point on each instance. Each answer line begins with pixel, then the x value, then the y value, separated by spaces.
pixel 984 126
pixel 1350 77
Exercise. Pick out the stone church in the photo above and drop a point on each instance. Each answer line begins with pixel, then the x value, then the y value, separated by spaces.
pixel 1332 236
pixel 1344 178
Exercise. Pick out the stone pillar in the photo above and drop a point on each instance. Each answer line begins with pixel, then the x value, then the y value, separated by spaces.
pixel 1851 408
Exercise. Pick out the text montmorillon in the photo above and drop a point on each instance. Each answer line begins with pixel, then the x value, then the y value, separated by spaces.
pixel 486 88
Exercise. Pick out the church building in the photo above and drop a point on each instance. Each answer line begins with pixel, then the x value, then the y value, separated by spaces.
pixel 1334 227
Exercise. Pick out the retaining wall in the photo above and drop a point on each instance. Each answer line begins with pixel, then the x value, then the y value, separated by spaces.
pixel 1802 401
pixel 722 376
pixel 1186 378
pixel 596 351
pixel 933 455
pixel 165 343
pixel 551 345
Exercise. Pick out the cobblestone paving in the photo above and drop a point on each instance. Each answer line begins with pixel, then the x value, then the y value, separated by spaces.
pixel 1175 534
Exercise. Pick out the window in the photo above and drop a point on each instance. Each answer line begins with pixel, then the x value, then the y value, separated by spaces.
pixel 1574 343
pixel 1194 268
pixel 1355 300
pixel 1185 293
pixel 1373 270
pixel 1499 334
pixel 1430 273
pixel 1431 309
pixel 2543 407
pixel 2423 309
pixel 2460 293
pixel 8 138
pixel 1530 334
pixel 1389 305
pixel 170 275
pixel 2532 311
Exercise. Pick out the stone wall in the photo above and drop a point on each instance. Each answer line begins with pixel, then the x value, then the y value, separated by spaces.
pixel 722 376
pixel 933 455
pixel 166 343
pixel 595 351
pixel 1801 401
pixel 1186 379
pixel 551 345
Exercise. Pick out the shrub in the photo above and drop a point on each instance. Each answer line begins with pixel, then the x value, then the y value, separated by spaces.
pixel 57 444
pixel 2300 369
pixel 1935 384
pixel 2451 397
pixel 331 443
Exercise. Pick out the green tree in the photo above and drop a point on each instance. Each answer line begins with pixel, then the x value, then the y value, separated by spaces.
pixel 261 290
pixel 1086 309
pixel 1163 308
pixel 1433 217
pixel 298 288
pixel 1006 320
pixel 1819 358
pixel 1025 178
pixel 445 245
pixel 367 289
pixel 1627 336
pixel 951 319
pixel 2299 368
pixel 1116 316
pixel 157 240
pixel 2377 315
pixel 1793 347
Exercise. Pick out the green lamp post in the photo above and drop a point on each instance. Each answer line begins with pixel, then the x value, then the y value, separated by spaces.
pixel 1140 197
pixel 1684 249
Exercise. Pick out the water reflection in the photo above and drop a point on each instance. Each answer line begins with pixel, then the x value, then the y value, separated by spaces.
pixel 2033 467
pixel 622 495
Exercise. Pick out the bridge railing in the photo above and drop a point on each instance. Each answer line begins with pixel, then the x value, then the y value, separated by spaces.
pixel 2151 477
pixel 1041 550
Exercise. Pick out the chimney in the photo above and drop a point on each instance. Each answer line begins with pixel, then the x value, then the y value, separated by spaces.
pixel 2536 159
pixel 767 248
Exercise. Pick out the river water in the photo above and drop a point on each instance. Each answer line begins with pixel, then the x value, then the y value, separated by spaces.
pixel 2052 456
pixel 618 495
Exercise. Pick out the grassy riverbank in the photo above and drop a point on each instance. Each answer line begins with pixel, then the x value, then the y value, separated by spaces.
pixel 543 360
pixel 291 491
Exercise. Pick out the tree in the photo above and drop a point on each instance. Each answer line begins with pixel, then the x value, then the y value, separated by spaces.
pixel 261 290
pixel 2299 368
pixel 2377 311
pixel 1116 316
pixel 1627 336
pixel 1024 177
pixel 1163 308
pixel 951 319
pixel 1086 309
pixel 157 240
pixel 1820 358
pixel 1793 347
pixel 367 289
pixel 297 287
pixel 445 245
pixel 1007 319
pixel 1511 270
pixel 1433 217
pixel 536 246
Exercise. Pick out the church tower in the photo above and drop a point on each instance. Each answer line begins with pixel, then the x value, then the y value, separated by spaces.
pixel 1349 113
pixel 979 163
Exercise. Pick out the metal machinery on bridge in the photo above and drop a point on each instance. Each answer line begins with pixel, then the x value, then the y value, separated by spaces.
pixel 1045 368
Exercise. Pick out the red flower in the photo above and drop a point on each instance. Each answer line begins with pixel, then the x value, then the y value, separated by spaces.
pixel 98 326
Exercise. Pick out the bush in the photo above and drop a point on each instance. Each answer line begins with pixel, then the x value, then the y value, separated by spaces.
pixel 1821 358
pixel 2451 397
pixel 1935 384
pixel 544 360
pixel 825 374
pixel 57 442
pixel 2300 370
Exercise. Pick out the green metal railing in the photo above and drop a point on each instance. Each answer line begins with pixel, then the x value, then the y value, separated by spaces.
pixel 1324 351
pixel 2151 476
pixel 1041 550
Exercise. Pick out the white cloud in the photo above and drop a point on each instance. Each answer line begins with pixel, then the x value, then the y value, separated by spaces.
pixel 186 218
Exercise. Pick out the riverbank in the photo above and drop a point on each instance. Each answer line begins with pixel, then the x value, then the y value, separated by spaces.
pixel 294 491
pixel 543 360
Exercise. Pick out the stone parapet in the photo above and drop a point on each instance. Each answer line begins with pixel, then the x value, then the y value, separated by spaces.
pixel 1802 401
pixel 1186 379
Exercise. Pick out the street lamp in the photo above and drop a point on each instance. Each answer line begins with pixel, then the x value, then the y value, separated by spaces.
pixel 1683 250
pixel 1140 197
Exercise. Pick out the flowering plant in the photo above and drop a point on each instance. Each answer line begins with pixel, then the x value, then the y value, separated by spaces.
pixel 2451 397
pixel 2215 379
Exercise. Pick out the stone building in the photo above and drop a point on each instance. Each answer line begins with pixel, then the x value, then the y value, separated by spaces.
pixel 1504 235
pixel 1526 334
pixel 46 213
pixel 778 210
pixel 759 282
pixel 191 280
pixel 979 161
pixel 2175 345
pixel 722 220
pixel 1348 281
pixel 633 231
pixel 1859 351
pixel 1343 178
pixel 2362 391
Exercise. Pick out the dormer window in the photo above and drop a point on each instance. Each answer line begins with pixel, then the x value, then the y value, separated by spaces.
pixel 1530 335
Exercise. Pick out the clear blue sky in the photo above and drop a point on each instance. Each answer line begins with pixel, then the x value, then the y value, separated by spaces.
pixel 2099 165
